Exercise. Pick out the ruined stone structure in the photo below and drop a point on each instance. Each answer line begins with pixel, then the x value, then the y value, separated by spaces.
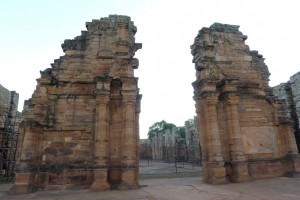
pixel 9 121
pixel 145 149
pixel 163 145
pixel 290 93
pixel 245 133
pixel 81 126
pixel 158 147
pixel 168 146
pixel 192 141
pixel 8 105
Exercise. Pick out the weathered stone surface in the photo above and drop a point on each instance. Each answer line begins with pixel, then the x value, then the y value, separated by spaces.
pixel 80 127
pixel 8 106
pixel 245 132
pixel 289 92
pixel 192 141
pixel 9 122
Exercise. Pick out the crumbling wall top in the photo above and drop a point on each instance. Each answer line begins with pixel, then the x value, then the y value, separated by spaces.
pixel 225 28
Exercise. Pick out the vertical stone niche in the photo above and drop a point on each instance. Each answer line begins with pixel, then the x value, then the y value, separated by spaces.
pixel 81 126
pixel 245 131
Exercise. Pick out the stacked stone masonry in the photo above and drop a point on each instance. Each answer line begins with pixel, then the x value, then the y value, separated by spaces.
pixel 289 92
pixel 81 126
pixel 9 121
pixel 192 141
pixel 163 145
pixel 8 105
pixel 169 146
pixel 245 132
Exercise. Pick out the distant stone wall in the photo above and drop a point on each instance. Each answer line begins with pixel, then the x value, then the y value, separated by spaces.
pixel 9 122
pixel 8 105
pixel 4 97
pixel 290 93
pixel 145 149
pixel 192 141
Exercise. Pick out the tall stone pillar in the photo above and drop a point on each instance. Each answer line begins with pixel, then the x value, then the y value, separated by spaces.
pixel 203 139
pixel 236 149
pixel 214 164
pixel 137 133
pixel 101 140
pixel 129 148
pixel 292 149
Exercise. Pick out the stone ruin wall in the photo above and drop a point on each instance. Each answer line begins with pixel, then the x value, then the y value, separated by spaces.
pixel 9 121
pixel 8 106
pixel 290 93
pixel 4 97
pixel 81 126
pixel 245 132
pixel 192 141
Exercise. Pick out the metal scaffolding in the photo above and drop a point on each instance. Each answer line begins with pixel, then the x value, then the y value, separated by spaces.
pixel 8 146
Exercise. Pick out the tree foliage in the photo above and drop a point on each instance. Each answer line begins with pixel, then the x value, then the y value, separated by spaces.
pixel 181 132
pixel 159 128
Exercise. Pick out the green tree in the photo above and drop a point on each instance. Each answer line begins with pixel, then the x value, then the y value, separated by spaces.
pixel 181 132
pixel 159 128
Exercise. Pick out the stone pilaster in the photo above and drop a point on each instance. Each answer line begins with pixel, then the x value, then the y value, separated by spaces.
pixel 129 148
pixel 137 133
pixel 238 159
pixel 101 142
pixel 203 139
pixel 214 163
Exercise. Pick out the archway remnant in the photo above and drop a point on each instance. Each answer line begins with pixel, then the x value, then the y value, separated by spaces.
pixel 245 131
pixel 81 126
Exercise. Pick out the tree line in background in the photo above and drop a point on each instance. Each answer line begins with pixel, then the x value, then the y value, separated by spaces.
pixel 167 142
pixel 161 127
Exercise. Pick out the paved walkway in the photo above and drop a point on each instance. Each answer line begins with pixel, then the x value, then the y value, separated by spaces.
pixel 176 189
pixel 184 188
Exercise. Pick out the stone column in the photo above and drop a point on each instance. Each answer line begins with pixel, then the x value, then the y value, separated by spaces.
pixel 214 165
pixel 292 146
pixel 292 151
pixel 237 155
pixel 101 143
pixel 137 134
pixel 202 135
pixel 129 159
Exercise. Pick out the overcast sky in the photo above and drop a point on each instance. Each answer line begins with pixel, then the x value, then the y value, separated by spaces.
pixel 31 34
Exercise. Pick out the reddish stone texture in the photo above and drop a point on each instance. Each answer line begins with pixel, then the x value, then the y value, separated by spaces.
pixel 245 132
pixel 81 126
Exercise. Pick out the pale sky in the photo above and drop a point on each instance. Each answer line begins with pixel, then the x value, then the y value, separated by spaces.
pixel 32 31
